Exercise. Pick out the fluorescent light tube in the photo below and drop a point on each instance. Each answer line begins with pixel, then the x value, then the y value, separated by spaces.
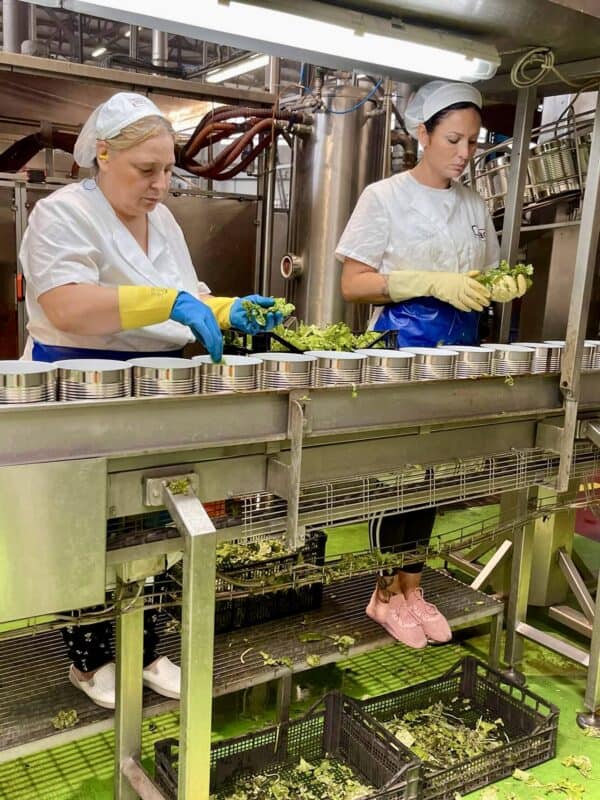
pixel 228 71
pixel 317 34
pixel 99 51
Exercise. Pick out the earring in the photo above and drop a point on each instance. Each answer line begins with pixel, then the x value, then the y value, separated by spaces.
pixel 103 157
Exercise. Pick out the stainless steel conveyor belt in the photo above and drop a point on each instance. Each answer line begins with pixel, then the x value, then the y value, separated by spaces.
pixel 68 468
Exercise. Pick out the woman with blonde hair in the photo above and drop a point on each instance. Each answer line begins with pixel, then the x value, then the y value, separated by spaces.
pixel 109 275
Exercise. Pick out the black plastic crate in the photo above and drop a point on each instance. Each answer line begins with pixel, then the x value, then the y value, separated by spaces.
pixel 342 731
pixel 530 724
pixel 243 611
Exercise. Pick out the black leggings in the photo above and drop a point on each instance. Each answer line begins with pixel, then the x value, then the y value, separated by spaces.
pixel 90 646
pixel 402 532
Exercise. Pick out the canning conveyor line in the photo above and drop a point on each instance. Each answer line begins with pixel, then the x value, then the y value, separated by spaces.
pixel 66 469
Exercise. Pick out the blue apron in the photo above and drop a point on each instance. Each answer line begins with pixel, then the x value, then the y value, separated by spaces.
pixel 50 353
pixel 428 322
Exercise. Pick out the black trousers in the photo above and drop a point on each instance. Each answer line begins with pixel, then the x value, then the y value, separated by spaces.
pixel 402 532
pixel 91 646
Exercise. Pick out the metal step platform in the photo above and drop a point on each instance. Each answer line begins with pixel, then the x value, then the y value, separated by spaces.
pixel 33 671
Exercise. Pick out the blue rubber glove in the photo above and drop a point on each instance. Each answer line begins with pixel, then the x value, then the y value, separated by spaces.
pixel 190 311
pixel 239 319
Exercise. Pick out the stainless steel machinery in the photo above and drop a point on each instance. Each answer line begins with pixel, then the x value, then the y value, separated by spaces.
pixel 343 153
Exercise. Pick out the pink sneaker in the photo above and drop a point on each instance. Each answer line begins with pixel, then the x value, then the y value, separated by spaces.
pixel 435 624
pixel 397 619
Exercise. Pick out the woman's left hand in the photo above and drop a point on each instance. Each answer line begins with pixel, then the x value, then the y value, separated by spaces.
pixel 243 320
pixel 508 288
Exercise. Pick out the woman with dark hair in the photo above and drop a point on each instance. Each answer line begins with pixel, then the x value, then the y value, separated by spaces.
pixel 413 247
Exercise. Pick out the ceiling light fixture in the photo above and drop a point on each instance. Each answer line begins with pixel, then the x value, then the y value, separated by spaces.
pixel 229 71
pixel 314 32
pixel 99 51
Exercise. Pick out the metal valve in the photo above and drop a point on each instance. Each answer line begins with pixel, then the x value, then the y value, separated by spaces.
pixel 291 266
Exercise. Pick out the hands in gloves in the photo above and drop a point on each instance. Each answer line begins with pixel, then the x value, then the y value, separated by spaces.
pixel 508 288
pixel 200 319
pixel 240 318
pixel 460 289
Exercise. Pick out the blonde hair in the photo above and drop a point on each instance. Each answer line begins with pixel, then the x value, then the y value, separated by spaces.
pixel 139 132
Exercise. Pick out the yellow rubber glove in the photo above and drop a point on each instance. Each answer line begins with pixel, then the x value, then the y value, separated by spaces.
pixel 508 288
pixel 460 289
pixel 221 308
pixel 144 305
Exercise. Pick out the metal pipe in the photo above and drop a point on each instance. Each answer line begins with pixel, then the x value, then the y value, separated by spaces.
pixel 517 178
pixel 14 24
pixel 31 22
pixel 268 194
pixel 386 167
pixel 585 263
pixel 160 48
pixel 133 41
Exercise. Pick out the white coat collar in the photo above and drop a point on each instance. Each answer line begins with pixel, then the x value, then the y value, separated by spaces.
pixel 436 205
pixel 129 248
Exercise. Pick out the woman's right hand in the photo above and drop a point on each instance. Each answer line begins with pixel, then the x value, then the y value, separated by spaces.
pixel 460 289
pixel 199 318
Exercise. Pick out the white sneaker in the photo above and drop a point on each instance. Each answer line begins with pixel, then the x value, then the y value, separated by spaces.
pixel 164 677
pixel 100 688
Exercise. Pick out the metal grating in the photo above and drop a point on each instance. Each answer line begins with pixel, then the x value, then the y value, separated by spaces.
pixel 33 670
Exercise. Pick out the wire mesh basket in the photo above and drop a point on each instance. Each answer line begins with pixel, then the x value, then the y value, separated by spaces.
pixel 286 370
pixel 471 361
pixel 530 725
pixel 433 363
pixel 232 374
pixel 93 379
pixel 342 732
pixel 510 359
pixel 160 375
pixel 27 382
pixel 337 368
pixel 386 366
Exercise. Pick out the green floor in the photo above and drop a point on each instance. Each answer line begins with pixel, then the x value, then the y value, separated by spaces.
pixel 83 771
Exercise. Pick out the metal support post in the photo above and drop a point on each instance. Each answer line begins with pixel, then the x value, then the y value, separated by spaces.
pixel 268 192
pixel 197 641
pixel 592 689
pixel 160 48
pixel 491 565
pixel 519 584
pixel 517 178
pixel 129 686
pixel 495 639
pixel 295 431
pixel 133 41
pixel 386 167
pixel 585 263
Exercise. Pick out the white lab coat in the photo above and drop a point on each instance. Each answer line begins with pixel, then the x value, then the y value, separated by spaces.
pixel 74 236
pixel 399 223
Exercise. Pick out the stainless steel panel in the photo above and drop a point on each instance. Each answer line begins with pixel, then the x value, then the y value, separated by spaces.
pixel 139 426
pixel 333 165
pixel 53 537
pixel 338 460
pixel 8 274
pixel 334 409
pixel 221 236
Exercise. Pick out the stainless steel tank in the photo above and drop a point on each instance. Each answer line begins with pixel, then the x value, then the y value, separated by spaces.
pixel 333 165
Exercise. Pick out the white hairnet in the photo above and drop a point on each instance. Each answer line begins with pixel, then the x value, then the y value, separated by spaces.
pixel 435 96
pixel 108 120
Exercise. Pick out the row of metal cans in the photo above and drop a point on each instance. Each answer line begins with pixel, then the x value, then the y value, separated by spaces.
pixel 103 379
